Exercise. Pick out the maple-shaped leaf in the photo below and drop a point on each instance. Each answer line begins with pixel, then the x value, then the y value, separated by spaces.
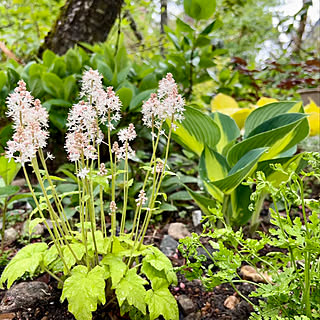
pixel 131 288
pixel 156 259
pixel 26 260
pixel 162 302
pixel 84 290
pixel 116 267
pixel 78 249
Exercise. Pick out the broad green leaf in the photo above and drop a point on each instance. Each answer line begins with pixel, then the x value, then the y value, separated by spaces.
pixel 268 111
pixel 212 166
pixel 70 86
pixel 276 177
pixel 278 139
pixel 203 202
pixel 131 289
pixel 58 117
pixel 180 195
pixel 157 278
pixel 59 67
pixel 183 27
pixel 215 24
pixel 35 85
pixel 196 131
pixel 8 169
pixel 84 290
pixel 3 79
pixel 78 249
pixel 26 260
pixel 52 84
pixel 125 95
pixel 229 130
pixel 148 82
pixel 73 62
pixel 56 102
pixel 137 100
pixel 116 266
pixel 243 168
pixel 48 57
pixel 50 256
pixel 239 205
pixel 199 9
pixel 105 70
pixel 162 302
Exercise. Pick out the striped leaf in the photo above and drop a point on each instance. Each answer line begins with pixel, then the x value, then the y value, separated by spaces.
pixel 267 112
pixel 243 168
pixel 279 134
pixel 228 129
pixel 203 202
pixel 196 131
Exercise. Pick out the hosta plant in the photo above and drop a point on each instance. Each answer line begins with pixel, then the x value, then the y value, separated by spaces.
pixel 287 277
pixel 95 264
pixel 271 134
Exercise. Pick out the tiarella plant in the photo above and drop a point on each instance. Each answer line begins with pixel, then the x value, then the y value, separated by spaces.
pixel 94 264
pixel 289 279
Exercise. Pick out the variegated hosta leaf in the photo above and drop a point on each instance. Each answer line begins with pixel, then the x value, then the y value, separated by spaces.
pixel 243 168
pixel 196 131
pixel 239 205
pixel 269 111
pixel 278 134
pixel 228 129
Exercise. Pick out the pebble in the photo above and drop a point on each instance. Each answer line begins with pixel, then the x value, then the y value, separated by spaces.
pixel 7 316
pixel 231 302
pixel 187 305
pixel 24 295
pixel 250 273
pixel 169 246
pixel 196 217
pixel 178 230
pixel 10 235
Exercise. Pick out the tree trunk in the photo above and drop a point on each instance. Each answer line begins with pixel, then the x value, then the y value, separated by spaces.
pixel 163 22
pixel 82 20
pixel 302 25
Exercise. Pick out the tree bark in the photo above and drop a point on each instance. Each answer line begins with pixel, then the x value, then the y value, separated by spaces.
pixel 82 21
pixel 302 25
pixel 163 21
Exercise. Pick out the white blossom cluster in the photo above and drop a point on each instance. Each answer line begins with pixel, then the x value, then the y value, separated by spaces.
pixel 125 135
pixel 84 118
pixel 142 199
pixel 30 122
pixel 166 104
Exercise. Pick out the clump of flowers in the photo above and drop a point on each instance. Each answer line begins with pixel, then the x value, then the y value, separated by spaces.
pixel 93 250
pixel 30 122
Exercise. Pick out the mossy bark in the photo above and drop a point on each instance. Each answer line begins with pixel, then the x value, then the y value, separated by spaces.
pixel 87 21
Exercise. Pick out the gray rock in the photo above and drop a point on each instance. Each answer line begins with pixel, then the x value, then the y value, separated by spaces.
pixel 168 245
pixel 38 230
pixel 178 230
pixel 10 235
pixel 25 295
pixel 193 316
pixel 187 305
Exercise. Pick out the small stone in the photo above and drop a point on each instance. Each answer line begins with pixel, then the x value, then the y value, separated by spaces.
pixel 38 230
pixel 168 246
pixel 178 230
pixel 10 235
pixel 250 273
pixel 231 302
pixel 25 295
pixel 186 304
pixel 193 316
pixel 196 217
